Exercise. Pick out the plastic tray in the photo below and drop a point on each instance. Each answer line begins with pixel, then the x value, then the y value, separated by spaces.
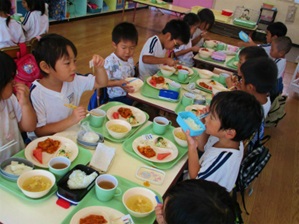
pixel 181 121
pixel 230 63
pixel 102 130
pixel 174 77
pixel 240 22
pixel 116 203
pixel 127 147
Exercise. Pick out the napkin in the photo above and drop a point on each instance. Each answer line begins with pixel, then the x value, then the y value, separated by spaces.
pixel 102 158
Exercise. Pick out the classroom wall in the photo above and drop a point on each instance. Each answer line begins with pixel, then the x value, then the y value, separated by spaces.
pixel 282 7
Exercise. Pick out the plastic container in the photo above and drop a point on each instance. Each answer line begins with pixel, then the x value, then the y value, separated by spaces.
pixel 168 94
pixel 181 120
pixel 151 175
pixel 9 176
pixel 226 12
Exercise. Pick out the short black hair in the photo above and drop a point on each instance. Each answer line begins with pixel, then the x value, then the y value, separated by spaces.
pixel 50 48
pixel 125 31
pixel 38 5
pixel 277 29
pixel 191 19
pixel 5 6
pixel 283 43
pixel 261 72
pixel 198 201
pixel 237 110
pixel 178 29
pixel 206 16
pixel 253 52
pixel 7 70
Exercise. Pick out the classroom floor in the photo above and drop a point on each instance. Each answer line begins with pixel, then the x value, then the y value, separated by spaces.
pixel 275 197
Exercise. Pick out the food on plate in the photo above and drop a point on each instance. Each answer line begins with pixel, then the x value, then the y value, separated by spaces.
pixel 161 142
pixel 204 85
pixel 146 183
pixel 197 112
pixel 139 203
pixel 125 112
pixel 93 219
pixel 37 183
pixel 90 136
pixel 147 151
pixel 161 156
pixel 155 80
pixel 49 145
pixel 38 154
pixel 181 135
pixel 191 123
pixel 115 115
pixel 65 153
pixel 179 67
pixel 79 180
pixel 218 56
pixel 118 128
pixel 17 168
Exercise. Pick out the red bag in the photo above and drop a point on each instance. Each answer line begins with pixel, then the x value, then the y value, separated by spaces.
pixel 27 68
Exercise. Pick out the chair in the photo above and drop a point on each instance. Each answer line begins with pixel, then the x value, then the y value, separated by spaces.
pixel 294 85
pixel 13 51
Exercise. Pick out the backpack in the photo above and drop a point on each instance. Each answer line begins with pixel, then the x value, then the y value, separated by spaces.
pixel 277 111
pixel 27 68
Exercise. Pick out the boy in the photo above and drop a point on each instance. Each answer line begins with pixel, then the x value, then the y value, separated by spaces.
pixel 274 30
pixel 174 34
pixel 206 21
pixel 60 85
pixel 185 52
pixel 196 201
pixel 233 117
pixel 279 48
pixel 120 64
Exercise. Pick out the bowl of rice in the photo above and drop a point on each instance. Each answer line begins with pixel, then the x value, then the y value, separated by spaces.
pixel 188 121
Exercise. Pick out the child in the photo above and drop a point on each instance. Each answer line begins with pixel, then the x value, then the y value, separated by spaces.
pixel 60 85
pixel 11 32
pixel 233 117
pixel 185 52
pixel 196 201
pixel 206 21
pixel 36 22
pixel 120 64
pixel 16 111
pixel 174 34
pixel 279 48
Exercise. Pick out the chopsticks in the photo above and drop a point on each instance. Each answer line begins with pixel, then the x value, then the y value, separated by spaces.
pixel 124 84
pixel 71 106
pixel 7 145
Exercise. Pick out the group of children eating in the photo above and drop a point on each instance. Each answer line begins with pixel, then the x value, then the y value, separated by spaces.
pixel 234 116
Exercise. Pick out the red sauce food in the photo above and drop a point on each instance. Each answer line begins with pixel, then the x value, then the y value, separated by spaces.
pixel 93 219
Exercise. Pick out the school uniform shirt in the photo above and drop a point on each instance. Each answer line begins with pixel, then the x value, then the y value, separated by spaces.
pixel 11 35
pixel 188 57
pixel 281 64
pixel 118 69
pixel 197 33
pixel 35 24
pixel 220 165
pixel 266 107
pixel 152 47
pixel 10 116
pixel 267 48
pixel 49 104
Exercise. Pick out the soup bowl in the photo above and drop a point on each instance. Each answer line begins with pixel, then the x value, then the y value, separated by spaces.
pixel 118 128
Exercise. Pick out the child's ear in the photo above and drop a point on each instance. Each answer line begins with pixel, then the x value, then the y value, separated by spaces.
pixel 114 44
pixel 44 67
pixel 168 36
pixel 230 133
pixel 251 88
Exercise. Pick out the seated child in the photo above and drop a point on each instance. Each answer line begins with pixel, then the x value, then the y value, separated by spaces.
pixel 36 22
pixel 16 111
pixel 60 85
pixel 153 53
pixel 185 52
pixel 206 21
pixel 279 48
pixel 196 201
pixel 11 31
pixel 229 122
pixel 119 65
pixel 274 30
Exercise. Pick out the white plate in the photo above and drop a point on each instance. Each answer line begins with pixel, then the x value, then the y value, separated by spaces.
pixel 159 86
pixel 108 213
pixel 137 83
pixel 65 143
pixel 206 74
pixel 185 67
pixel 212 83
pixel 195 107
pixel 139 114
pixel 141 141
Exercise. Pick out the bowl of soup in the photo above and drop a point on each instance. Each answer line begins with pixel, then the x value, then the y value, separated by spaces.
pixel 139 201
pixel 180 137
pixel 167 70
pixel 36 183
pixel 118 128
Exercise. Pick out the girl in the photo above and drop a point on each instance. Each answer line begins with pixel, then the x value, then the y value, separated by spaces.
pixel 16 112
pixel 11 32
pixel 36 22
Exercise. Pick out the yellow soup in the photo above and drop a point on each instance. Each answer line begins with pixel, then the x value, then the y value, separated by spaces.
pixel 118 128
pixel 36 183
pixel 181 135
pixel 139 203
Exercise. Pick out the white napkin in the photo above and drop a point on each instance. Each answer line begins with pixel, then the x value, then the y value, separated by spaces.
pixel 102 157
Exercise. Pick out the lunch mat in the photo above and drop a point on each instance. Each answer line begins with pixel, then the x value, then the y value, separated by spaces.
pixel 103 131
pixel 127 146
pixel 230 63
pixel 174 77
pixel 116 203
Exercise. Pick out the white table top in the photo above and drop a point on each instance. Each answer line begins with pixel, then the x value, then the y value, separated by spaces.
pixel 15 210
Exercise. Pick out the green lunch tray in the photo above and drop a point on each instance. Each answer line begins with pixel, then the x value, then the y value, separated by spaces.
pixel 180 107
pixel 211 60
pixel 102 130
pixel 230 63
pixel 116 203
pixel 127 146
pixel 174 77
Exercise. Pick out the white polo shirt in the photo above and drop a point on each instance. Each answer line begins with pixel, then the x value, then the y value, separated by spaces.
pixel 11 35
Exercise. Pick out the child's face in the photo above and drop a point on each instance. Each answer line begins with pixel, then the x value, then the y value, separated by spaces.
pixel 7 91
pixel 204 26
pixel 268 37
pixel 172 44
pixel 193 29
pixel 213 124
pixel 124 49
pixel 274 52
pixel 25 5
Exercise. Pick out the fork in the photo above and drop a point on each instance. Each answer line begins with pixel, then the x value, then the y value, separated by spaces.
pixel 7 145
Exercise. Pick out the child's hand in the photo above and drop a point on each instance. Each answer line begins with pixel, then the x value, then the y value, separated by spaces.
pixel 78 114
pixel 231 81
pixel 159 214
pixel 171 62
pixel 22 93
pixel 192 141
pixel 195 48
pixel 98 61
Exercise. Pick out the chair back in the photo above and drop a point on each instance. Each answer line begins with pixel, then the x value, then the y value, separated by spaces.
pixel 13 51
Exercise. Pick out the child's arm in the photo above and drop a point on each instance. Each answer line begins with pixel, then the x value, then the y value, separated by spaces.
pixel 246 44
pixel 160 214
pixel 193 163
pixel 101 79
pixel 185 51
pixel 148 59
pixel 198 38
pixel 121 83
pixel 28 120
pixel 49 129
